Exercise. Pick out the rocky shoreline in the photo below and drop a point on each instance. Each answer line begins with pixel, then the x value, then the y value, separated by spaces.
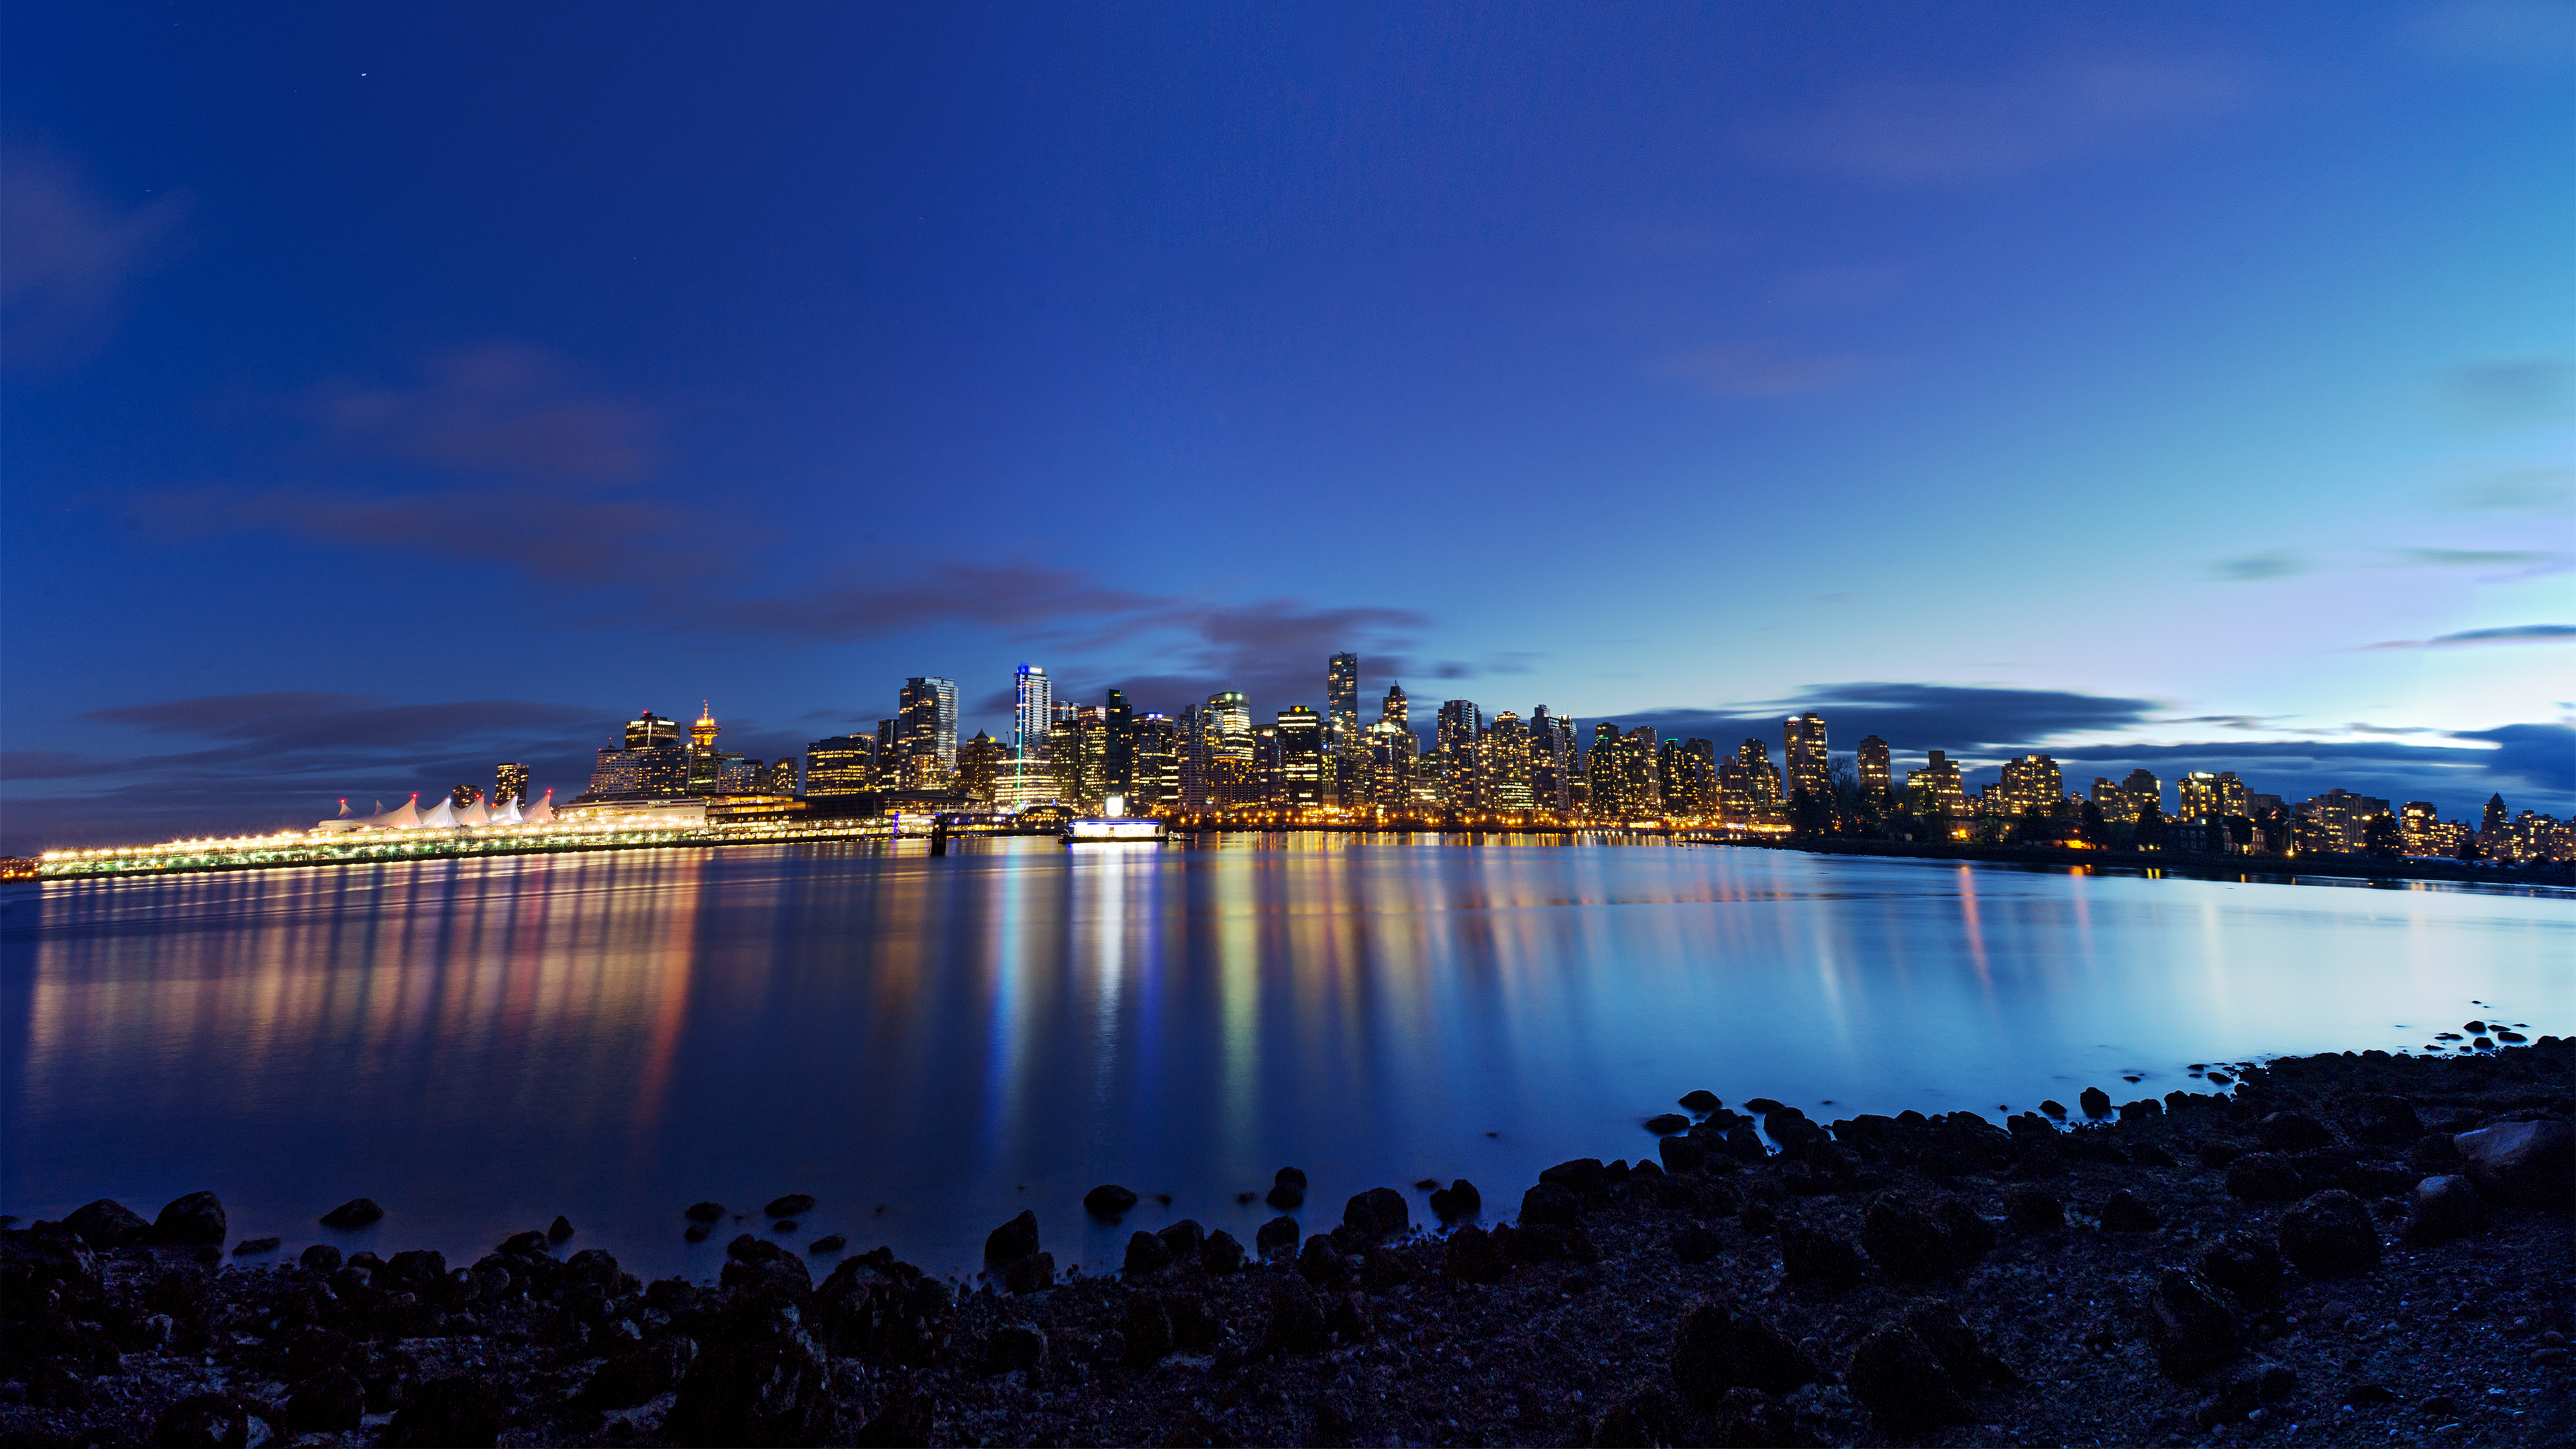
pixel 2355 1249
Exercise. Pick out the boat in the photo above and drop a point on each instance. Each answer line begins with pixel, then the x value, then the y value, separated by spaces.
pixel 1113 826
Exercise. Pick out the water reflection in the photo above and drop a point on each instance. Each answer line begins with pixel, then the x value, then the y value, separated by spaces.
pixel 929 1044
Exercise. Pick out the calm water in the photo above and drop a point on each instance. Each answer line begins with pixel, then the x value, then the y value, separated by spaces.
pixel 929 1045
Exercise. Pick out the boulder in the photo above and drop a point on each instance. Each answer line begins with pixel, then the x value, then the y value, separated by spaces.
pixel 1032 1274
pixel 1147 1327
pixel 1962 1357
pixel 2443 1207
pixel 1377 1214
pixel 1819 1257
pixel 2263 1177
pixel 2387 1122
pixel 1384 1270
pixel 1665 1124
pixel 705 1212
pixel 1182 1241
pixel 560 1230
pixel 321 1258
pixel 1474 1257
pixel 2029 1209
pixel 1681 1154
pixel 1718 1348
pixel 1321 1264
pixel 1276 1239
pixel 2244 1266
pixel 1646 1414
pixel 1287 1190
pixel 330 1402
pixel 1896 1376
pixel 2094 1101
pixel 1585 1177
pixel 760 1380
pixel 2330 1234
pixel 1904 1241
pixel 1702 1100
pixel 793 1205
pixel 828 1243
pixel 2292 1132
pixel 356 1213
pixel 1553 1204
pixel 2125 1212
pixel 1456 1201
pixel 197 1218
pixel 218 1419
pixel 1012 1241
pixel 1752 1417
pixel 2191 1324
pixel 1108 1202
pixel 1020 1346
pixel 107 1223
pixel 2530 1163
pixel 756 1263
pixel 1221 1253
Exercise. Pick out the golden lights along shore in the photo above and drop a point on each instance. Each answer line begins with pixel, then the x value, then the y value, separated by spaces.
pixel 583 829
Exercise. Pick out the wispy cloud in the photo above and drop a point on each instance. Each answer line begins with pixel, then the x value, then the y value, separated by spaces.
pixel 2279 563
pixel 2510 391
pixel 2511 634
pixel 1760 370
pixel 502 408
pixel 2537 490
pixel 1913 134
pixel 69 257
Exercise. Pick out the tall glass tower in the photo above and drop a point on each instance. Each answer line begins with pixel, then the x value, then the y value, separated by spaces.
pixel 1032 713
pixel 1342 698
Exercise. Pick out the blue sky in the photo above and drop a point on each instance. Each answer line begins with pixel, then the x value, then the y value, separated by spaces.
pixel 387 391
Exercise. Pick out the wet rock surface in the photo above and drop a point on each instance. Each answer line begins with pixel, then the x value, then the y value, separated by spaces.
pixel 1977 1290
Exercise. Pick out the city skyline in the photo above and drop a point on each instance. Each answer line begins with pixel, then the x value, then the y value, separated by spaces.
pixel 2188 387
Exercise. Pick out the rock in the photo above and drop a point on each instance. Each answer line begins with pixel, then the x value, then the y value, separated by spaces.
pixel 1221 1253
pixel 1108 1202
pixel 793 1205
pixel 2124 1212
pixel 1321 1264
pixel 1702 1101
pixel 2263 1177
pixel 559 1230
pixel 830 1243
pixel 2191 1325
pixel 1384 1270
pixel 1551 1203
pixel 2530 1163
pixel 330 1402
pixel 1276 1239
pixel 107 1223
pixel 2330 1234
pixel 1182 1240
pixel 1032 1274
pixel 1012 1241
pixel 1896 1376
pixel 1585 1177
pixel 638 1375
pixel 2030 1209
pixel 2387 1121
pixel 320 1258
pixel 1965 1360
pixel 704 1212
pixel 696 1232
pixel 1694 1244
pixel 191 1220
pixel 460 1409
pixel 1019 1346
pixel 1819 1257
pixel 2094 1101
pixel 1646 1414
pixel 1717 1349
pixel 1457 1201
pixel 1146 1253
pixel 1474 1257
pixel 2443 1207
pixel 356 1213
pixel 207 1421
pixel 1287 1190
pixel 1681 1154
pixel 758 1263
pixel 1665 1124
pixel 1904 1241
pixel 1378 1213
pixel 2292 1132
pixel 248 1246
pixel 2056 1108
pixel 1296 1317
pixel 2246 1267
pixel 760 1380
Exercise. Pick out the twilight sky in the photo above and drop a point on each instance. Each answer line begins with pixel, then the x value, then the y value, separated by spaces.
pixel 387 391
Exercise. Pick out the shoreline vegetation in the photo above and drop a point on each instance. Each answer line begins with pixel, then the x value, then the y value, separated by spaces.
pixel 2352 1248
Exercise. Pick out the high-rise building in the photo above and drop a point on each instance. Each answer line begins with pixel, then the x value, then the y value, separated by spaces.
pixel 702 734
pixel 1552 761
pixel 1877 770
pixel 980 762
pixel 2491 824
pixel 1234 777
pixel 510 782
pixel 889 761
pixel 1937 789
pixel 782 777
pixel 2340 820
pixel 927 717
pixel 648 729
pixel 1033 699
pixel 1809 769
pixel 1342 698
pixel 2112 801
pixel 1193 761
pixel 1118 745
pixel 1300 736
pixel 2421 825
pixel 2143 790
pixel 464 795
pixel 1461 726
pixel 1156 752
pixel 1607 786
pixel 1688 778
pixel 1392 764
pixel 2032 782
pixel 1392 709
pixel 1506 765
pixel 1637 770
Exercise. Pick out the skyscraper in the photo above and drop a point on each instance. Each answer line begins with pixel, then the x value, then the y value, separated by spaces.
pixel 1034 696
pixel 1342 698
pixel 1193 762
pixel 1118 772
pixel 1392 710
pixel 927 716
pixel 1803 752
pixel 510 782
pixel 1156 752
pixel 1637 770
pixel 648 730
pixel 980 763
pixel 1234 781
pixel 1506 761
pixel 2143 790
pixel 1301 757
pixel 1551 755
pixel 2032 782
pixel 1607 786
pixel 1877 770
pixel 1937 788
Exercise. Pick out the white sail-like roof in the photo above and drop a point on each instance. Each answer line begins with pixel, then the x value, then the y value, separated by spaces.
pixel 508 813
pixel 474 814
pixel 442 818
pixel 405 816
pixel 541 813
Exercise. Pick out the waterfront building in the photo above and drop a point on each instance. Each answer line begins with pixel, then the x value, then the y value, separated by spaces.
pixel 1233 771
pixel 2491 824
pixel 980 763
pixel 840 766
pixel 1392 774
pixel 2030 782
pixel 660 771
pixel 1078 754
pixel 1032 702
pixel 1689 780
pixel 1554 762
pixel 2200 795
pixel 926 717
pixel 1876 769
pixel 1342 699
pixel 2112 801
pixel 889 763
pixel 1393 710
pixel 1118 768
pixel 1637 770
pixel 1299 737
pixel 2143 790
pixel 1937 789
pixel 1607 787
pixel 1190 762
pixel 2340 820
pixel 782 777
pixel 1506 761
pixel 1808 767
pixel 2420 825
pixel 510 782
pixel 1155 749
pixel 1458 728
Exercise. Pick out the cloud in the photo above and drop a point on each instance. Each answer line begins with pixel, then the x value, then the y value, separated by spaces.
pixel 2510 391
pixel 2540 490
pixel 68 258
pixel 503 408
pixel 2456 558
pixel 571 540
pixel 1959 718
pixel 1756 370
pixel 1914 134
pixel 2511 634
pixel 2279 563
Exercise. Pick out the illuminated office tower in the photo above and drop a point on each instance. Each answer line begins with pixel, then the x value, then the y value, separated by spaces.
pixel 927 717
pixel 1761 778
pixel 2420 825
pixel 2200 795
pixel 1637 770
pixel 1268 785
pixel 1802 738
pixel 1234 777
pixel 1677 773
pixel 2032 782
pixel 1301 757
pixel 1393 772
pixel 1393 710
pixel 464 795
pixel 510 782
pixel 1191 765
pixel 2491 823
pixel 1552 761
pixel 1155 749
pixel 705 764
pixel 1118 773
pixel 1506 758
pixel 650 731
pixel 840 766
pixel 781 779
pixel 980 763
pixel 1877 770
pixel 2143 790
pixel 889 761
pixel 1937 788
pixel 1342 698
pixel 1607 787
pixel 1033 698
pixel 1461 725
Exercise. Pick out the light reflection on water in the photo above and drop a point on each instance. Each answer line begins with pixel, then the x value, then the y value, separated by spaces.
pixel 479 1045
